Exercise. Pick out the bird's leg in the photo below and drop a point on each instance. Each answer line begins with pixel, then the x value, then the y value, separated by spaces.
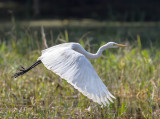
pixel 23 70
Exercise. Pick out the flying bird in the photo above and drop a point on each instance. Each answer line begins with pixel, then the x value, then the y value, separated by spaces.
pixel 70 62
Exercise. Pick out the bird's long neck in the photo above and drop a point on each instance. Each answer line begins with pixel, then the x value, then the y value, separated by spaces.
pixel 91 55
pixel 98 54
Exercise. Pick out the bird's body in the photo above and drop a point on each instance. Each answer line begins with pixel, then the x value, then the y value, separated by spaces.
pixel 67 61
pixel 70 62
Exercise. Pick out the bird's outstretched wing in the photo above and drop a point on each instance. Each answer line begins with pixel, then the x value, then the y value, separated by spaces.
pixel 78 71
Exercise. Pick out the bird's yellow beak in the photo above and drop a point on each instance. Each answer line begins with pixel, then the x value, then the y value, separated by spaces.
pixel 121 45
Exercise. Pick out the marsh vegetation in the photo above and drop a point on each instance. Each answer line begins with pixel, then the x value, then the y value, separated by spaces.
pixel 131 74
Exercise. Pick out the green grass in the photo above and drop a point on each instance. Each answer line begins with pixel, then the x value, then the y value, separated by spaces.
pixel 131 75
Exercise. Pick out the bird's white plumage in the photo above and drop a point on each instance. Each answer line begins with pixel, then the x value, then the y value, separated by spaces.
pixel 74 67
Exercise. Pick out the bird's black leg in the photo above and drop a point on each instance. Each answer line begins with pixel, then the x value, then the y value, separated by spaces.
pixel 23 70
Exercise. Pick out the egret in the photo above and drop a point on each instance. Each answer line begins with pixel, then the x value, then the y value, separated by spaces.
pixel 70 62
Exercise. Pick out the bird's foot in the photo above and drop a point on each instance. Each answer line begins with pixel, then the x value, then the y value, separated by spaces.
pixel 22 70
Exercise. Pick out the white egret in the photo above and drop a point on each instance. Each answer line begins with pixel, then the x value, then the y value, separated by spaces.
pixel 70 62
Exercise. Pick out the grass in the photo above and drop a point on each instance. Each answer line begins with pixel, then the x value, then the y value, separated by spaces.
pixel 131 74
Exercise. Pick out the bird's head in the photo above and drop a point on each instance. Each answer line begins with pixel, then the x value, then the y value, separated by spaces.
pixel 114 45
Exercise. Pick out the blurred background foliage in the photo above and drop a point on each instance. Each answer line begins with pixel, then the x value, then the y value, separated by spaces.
pixel 112 10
